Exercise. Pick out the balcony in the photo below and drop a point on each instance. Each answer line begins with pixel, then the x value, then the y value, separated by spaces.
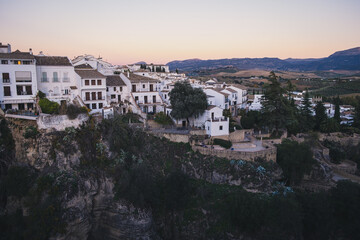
pixel 56 79
pixel 218 119
pixel 6 80
pixel 45 79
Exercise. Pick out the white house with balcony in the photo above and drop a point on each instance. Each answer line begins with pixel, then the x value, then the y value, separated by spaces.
pixel 117 93
pixel 144 93
pixel 56 78
pixel 18 85
pixel 92 87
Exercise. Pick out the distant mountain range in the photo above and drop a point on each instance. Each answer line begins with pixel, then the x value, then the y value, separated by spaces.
pixel 342 60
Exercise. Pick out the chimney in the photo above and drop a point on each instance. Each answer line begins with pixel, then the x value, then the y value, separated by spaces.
pixel 30 51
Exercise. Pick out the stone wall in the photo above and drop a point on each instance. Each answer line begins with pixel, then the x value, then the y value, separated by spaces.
pixel 268 154
pixel 237 136
pixel 60 122
pixel 173 137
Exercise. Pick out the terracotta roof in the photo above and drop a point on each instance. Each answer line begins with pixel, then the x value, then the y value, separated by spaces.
pixel 52 61
pixel 16 55
pixel 231 90
pixel 83 66
pixel 89 73
pixel 210 107
pixel 114 80
pixel 220 91
pixel 134 78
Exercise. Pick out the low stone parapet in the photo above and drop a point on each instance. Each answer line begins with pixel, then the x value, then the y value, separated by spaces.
pixel 60 122
pixel 268 154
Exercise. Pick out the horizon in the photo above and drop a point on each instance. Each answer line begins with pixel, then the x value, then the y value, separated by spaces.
pixel 121 32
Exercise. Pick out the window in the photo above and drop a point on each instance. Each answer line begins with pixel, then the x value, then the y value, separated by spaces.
pixel 55 77
pixel 66 77
pixel 88 106
pixel 93 96
pixel 143 85
pixel 99 95
pixel 93 82
pixel 26 62
pixel 107 89
pixel 44 77
pixel 4 62
pixel 66 92
pixel 220 127
pixel 6 77
pixel 98 82
pixel 154 99
pixel 113 96
pixel 93 106
pixel 165 96
pixel 87 82
pixel 7 91
pixel 17 62
pixel 114 88
pixel 30 106
pixel 100 105
pixel 28 90
pixel 87 97
pixel 19 90
pixel 136 98
pixel 23 76
pixel 120 89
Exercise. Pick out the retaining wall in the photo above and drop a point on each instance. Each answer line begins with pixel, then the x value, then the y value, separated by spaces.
pixel 60 122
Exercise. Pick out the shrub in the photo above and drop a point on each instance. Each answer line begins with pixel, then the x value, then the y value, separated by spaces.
pixel 48 106
pixel 223 143
pixel 41 95
pixel 18 181
pixel 31 132
pixel 163 119
pixel 72 111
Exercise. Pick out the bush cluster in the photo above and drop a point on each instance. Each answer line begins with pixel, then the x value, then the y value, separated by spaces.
pixel 223 143
pixel 48 106
pixel 72 111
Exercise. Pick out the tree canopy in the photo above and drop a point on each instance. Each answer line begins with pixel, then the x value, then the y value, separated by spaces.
pixel 186 101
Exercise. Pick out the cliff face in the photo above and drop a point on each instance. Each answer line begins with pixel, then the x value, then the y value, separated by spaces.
pixel 88 206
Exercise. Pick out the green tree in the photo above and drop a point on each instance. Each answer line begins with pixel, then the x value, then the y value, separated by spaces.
pixel 320 115
pixel 330 125
pixel 163 119
pixel 337 110
pixel 295 159
pixel 275 107
pixel 357 115
pixel 306 113
pixel 186 101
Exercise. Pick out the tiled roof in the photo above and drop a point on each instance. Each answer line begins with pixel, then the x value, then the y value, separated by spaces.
pixel 114 80
pixel 52 61
pixel 210 107
pixel 89 73
pixel 231 90
pixel 134 78
pixel 16 55
pixel 83 66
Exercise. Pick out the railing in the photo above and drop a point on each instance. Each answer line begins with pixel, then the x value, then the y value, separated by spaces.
pixel 6 80
pixel 219 119
pixel 55 79
pixel 45 79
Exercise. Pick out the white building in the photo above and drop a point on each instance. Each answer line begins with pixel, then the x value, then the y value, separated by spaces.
pixel 92 86
pixel 56 78
pixel 18 79
pixel 150 67
pixel 117 92
pixel 144 93
pixel 256 104
pixel 98 64
pixel 217 97
pixel 242 95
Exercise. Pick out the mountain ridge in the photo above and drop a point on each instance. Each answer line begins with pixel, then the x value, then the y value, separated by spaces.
pixel 341 60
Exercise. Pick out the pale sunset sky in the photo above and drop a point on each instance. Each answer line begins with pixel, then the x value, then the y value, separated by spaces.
pixel 159 31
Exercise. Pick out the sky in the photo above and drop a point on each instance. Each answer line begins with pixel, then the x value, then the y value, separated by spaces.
pixel 159 31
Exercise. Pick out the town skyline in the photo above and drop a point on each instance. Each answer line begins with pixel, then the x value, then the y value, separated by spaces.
pixel 160 32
